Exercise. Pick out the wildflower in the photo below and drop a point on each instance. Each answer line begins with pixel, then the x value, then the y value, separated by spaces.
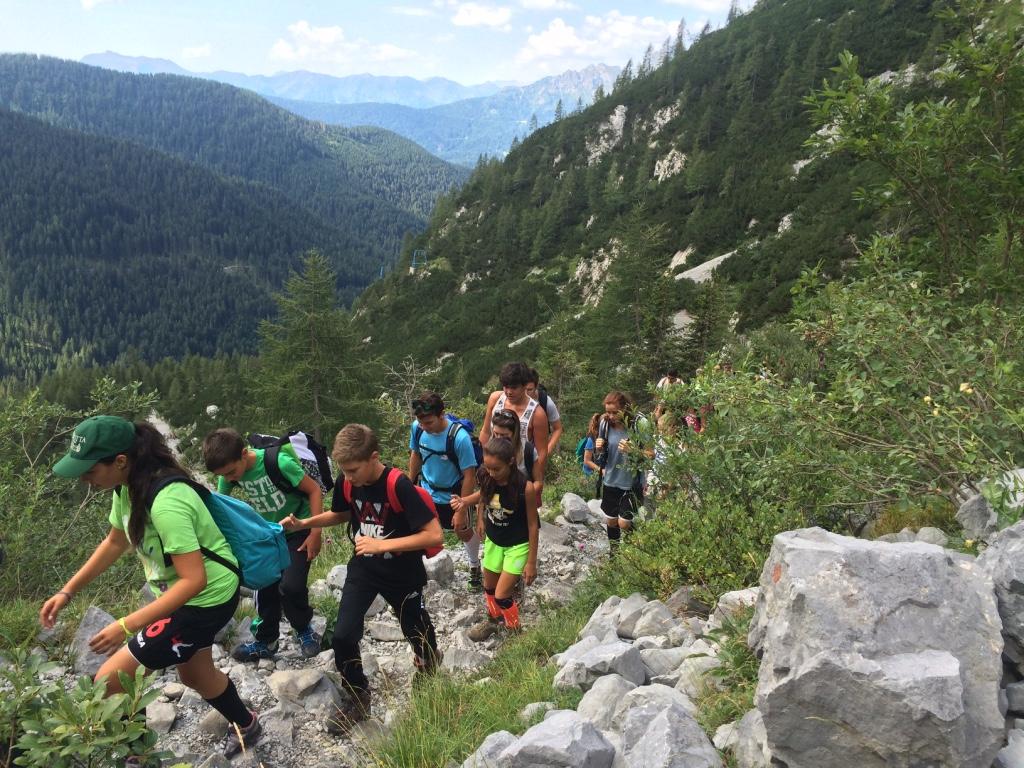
pixel 969 543
pixel 935 411
pixel 966 388
pixel 928 399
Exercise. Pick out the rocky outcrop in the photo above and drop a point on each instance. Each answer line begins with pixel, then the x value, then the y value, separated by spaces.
pixel 876 654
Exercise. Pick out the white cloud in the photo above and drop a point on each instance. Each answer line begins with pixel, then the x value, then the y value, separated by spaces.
pixel 90 4
pixel 549 5
pixel 410 10
pixel 611 38
pixel 328 49
pixel 713 7
pixel 477 15
pixel 197 52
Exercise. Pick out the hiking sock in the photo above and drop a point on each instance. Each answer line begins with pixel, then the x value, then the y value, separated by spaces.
pixel 473 550
pixel 509 611
pixel 231 706
pixel 493 609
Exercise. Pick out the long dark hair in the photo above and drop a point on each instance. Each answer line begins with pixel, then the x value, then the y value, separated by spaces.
pixel 505 421
pixel 149 460
pixel 502 449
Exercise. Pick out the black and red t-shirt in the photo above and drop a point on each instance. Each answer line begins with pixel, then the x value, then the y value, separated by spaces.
pixel 505 520
pixel 372 516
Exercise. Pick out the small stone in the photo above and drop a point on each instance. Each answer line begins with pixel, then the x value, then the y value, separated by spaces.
pixel 160 717
pixel 173 691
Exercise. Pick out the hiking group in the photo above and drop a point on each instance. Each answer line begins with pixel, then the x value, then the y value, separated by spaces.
pixel 199 548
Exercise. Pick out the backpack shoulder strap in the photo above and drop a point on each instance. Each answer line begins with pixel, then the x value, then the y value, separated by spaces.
pixel 271 464
pixel 417 435
pixel 449 445
pixel 204 494
pixel 392 482
pixel 528 459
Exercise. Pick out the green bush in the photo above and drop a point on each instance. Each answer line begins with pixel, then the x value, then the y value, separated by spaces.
pixel 45 726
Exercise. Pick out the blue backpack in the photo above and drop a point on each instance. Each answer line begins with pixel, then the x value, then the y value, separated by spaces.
pixel 455 424
pixel 258 545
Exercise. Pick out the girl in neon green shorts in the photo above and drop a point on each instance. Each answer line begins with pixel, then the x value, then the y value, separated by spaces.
pixel 511 526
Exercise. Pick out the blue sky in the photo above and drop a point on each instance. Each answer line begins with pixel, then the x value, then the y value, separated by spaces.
pixel 470 42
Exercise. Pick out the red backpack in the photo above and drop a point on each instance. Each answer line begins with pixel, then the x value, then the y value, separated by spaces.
pixel 393 504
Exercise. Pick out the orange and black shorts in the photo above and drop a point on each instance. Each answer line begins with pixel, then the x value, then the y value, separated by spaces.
pixel 177 638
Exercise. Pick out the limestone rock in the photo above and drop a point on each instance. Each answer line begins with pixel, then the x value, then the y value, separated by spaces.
pixel 213 724
pixel 336 576
pixel 464 660
pixel 530 712
pixel 440 567
pixel 1012 755
pixel 94 620
pixel 750 747
pixel 487 753
pixel 1004 562
pixel 616 656
pixel 563 739
pixel 658 736
pixel 160 717
pixel 385 632
pixel 600 703
pixel 876 654
pixel 977 518
pixel 934 536
pixel 575 509
pixel 310 689
pixel 655 619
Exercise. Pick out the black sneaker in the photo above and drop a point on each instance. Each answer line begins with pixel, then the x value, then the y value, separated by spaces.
pixel 357 709
pixel 476 579
pixel 241 739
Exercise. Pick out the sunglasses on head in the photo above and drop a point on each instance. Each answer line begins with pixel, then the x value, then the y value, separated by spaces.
pixel 423 407
pixel 505 415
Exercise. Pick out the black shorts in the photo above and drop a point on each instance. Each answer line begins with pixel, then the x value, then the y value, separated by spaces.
pixel 177 638
pixel 616 502
pixel 444 515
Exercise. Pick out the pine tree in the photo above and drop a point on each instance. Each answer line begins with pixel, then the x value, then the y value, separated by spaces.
pixel 559 111
pixel 310 375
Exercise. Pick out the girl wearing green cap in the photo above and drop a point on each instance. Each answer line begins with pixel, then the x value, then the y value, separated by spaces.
pixel 196 595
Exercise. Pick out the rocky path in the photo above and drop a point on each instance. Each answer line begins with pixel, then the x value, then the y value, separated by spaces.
pixel 292 694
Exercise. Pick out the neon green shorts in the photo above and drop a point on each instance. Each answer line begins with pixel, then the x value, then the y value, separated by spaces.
pixel 498 559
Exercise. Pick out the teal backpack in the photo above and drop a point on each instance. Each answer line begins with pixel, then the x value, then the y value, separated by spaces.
pixel 258 545
pixel 581 451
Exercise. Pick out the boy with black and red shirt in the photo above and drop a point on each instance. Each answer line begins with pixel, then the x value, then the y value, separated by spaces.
pixel 393 526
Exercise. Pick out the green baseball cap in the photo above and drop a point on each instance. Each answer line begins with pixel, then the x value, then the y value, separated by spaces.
pixel 95 438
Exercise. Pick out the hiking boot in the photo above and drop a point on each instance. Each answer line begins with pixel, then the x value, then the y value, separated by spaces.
pixel 484 629
pixel 254 650
pixel 240 739
pixel 309 642
pixel 355 710
pixel 476 579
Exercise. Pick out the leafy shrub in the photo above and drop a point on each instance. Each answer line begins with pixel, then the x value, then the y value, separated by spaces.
pixel 43 725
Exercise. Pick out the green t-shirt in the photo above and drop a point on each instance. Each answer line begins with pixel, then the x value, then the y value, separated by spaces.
pixel 266 498
pixel 178 523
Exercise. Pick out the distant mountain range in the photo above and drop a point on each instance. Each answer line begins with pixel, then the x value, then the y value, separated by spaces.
pixel 455 122
pixel 312 86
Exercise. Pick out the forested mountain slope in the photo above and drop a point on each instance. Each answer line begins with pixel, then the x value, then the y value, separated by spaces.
pixel 106 246
pixel 158 213
pixel 697 157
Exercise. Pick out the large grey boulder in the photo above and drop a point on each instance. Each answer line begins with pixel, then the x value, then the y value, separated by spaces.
pixel 616 656
pixel 1003 561
pixel 562 739
pixel 599 705
pixel 93 620
pixel 574 508
pixel 656 734
pixel 876 655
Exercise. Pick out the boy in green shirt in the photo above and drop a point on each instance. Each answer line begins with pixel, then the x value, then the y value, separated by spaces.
pixel 236 464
